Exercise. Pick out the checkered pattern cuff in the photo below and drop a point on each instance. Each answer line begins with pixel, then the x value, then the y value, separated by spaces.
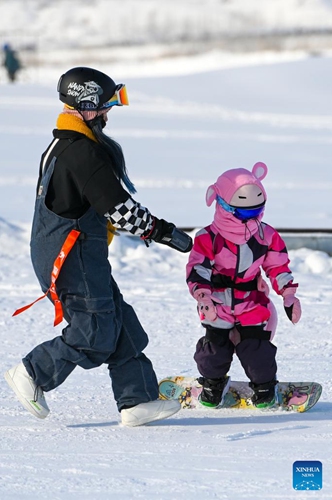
pixel 131 216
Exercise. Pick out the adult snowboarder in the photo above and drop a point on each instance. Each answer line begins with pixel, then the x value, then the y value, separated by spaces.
pixel 83 186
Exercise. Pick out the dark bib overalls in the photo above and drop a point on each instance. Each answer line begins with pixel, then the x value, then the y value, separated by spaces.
pixel 102 327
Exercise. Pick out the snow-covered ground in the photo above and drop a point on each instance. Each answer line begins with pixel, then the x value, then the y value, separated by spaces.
pixel 63 24
pixel 83 32
pixel 186 124
pixel 179 133
pixel 81 451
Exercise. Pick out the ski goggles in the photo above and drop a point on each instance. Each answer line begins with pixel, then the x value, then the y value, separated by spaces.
pixel 242 213
pixel 119 98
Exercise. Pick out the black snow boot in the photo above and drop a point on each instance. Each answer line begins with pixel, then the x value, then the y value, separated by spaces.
pixel 264 394
pixel 213 390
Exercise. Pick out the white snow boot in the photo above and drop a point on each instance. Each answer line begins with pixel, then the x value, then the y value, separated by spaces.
pixel 148 412
pixel 31 396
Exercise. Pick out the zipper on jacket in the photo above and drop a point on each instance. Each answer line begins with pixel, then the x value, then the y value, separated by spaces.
pixel 235 275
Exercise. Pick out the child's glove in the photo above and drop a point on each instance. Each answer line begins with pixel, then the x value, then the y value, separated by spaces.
pixel 205 307
pixel 292 304
pixel 262 286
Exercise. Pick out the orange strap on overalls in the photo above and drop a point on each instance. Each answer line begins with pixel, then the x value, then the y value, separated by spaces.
pixel 65 249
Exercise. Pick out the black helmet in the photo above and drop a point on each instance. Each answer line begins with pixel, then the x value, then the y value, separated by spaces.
pixel 86 89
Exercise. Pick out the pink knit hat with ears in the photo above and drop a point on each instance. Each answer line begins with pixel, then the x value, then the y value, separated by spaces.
pixel 231 180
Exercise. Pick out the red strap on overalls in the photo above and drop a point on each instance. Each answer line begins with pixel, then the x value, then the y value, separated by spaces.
pixel 65 249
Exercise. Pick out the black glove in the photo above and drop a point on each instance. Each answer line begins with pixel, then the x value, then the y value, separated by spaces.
pixel 166 233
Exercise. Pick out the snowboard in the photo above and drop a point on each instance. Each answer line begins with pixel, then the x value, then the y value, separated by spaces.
pixel 291 396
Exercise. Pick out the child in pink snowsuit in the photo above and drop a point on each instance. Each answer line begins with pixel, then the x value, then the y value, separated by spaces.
pixel 224 276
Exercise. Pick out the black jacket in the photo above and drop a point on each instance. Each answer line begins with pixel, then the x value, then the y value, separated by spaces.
pixel 82 177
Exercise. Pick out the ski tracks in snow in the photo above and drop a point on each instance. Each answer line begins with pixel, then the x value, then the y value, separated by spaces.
pixel 262 432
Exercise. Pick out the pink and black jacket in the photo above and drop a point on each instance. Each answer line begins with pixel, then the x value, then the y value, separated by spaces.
pixel 228 256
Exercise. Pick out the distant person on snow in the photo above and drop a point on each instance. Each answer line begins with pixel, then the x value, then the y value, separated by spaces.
pixel 224 276
pixel 11 62
pixel 83 192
